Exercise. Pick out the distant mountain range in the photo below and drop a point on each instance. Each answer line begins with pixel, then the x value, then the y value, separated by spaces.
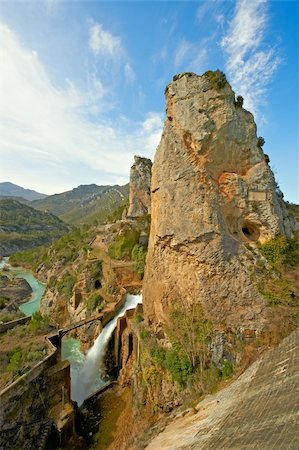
pixel 8 189
pixel 23 227
pixel 84 204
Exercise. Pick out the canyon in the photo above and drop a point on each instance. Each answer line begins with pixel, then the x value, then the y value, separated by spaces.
pixel 209 241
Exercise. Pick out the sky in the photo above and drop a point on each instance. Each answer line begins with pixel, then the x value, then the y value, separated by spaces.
pixel 82 82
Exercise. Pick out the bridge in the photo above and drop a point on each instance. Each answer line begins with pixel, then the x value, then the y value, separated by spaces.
pixel 80 323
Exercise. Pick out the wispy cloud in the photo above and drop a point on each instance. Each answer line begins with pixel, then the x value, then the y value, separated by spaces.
pixel 189 55
pixel 47 140
pixel 103 42
pixel 250 63
pixel 109 50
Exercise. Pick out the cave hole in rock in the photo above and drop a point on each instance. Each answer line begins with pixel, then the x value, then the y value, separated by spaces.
pixel 97 284
pixel 250 232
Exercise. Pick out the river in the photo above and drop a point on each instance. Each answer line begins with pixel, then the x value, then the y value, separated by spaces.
pixel 37 287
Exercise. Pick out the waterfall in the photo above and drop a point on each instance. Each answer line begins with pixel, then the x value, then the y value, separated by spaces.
pixel 88 378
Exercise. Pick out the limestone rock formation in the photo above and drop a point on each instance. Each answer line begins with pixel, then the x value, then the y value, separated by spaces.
pixel 213 198
pixel 140 192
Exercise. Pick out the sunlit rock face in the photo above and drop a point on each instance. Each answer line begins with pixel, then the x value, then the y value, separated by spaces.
pixel 140 192
pixel 213 198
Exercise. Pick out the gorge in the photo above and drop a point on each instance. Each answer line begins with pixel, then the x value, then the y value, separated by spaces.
pixel 209 241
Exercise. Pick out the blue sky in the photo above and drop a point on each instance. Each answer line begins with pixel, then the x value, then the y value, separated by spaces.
pixel 81 83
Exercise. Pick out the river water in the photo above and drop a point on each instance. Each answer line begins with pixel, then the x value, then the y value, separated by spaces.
pixel 37 287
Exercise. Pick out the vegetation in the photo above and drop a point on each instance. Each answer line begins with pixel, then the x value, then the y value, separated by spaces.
pixel 19 360
pixel 87 204
pixel 123 244
pixel 38 323
pixel 94 302
pixel 24 227
pixel 260 142
pixel 64 250
pixel 216 78
pixel 283 256
pixel 281 252
pixel 138 255
pixel 65 285
pixel 118 212
pixel 187 360
pixel 239 101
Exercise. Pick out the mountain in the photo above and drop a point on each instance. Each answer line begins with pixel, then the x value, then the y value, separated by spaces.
pixel 13 190
pixel 23 227
pixel 84 204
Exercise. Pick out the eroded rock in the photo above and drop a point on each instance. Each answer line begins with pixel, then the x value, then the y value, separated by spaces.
pixel 213 198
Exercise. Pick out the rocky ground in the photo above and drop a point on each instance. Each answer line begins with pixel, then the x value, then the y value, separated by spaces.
pixel 13 291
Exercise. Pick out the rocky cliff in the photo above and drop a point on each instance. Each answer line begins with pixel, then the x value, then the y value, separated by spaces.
pixel 213 200
pixel 140 193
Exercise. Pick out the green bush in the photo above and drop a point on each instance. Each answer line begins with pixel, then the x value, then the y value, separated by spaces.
pixel 38 322
pixel 281 252
pixel 123 244
pixel 227 369
pixel 138 255
pixel 15 360
pixel 216 78
pixel 94 301
pixel 177 364
pixel 65 285
pixel 3 301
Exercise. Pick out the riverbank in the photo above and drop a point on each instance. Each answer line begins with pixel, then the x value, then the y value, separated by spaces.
pixel 38 288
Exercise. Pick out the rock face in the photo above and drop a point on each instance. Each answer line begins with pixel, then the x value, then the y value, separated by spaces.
pixel 13 291
pixel 213 199
pixel 140 188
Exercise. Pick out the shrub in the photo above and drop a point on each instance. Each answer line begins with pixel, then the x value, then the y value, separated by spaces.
pixel 15 360
pixel 38 322
pixel 123 244
pixel 216 78
pixel 94 301
pixel 281 252
pixel 65 285
pixel 239 101
pixel 260 142
pixel 227 369
pixel 138 255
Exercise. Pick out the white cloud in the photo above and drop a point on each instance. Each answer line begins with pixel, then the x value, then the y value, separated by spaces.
pixel 102 42
pixel 249 64
pixel 129 73
pixel 47 141
pixel 190 56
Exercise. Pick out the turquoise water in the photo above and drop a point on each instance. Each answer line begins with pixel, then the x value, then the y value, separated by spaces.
pixel 38 288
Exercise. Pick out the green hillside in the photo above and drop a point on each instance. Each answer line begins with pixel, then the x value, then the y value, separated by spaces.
pixel 85 204
pixel 22 227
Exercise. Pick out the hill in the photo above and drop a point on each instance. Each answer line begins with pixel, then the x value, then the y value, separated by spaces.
pixel 8 189
pixel 84 204
pixel 22 227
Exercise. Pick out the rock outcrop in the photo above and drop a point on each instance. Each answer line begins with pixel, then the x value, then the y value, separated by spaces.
pixel 13 291
pixel 213 198
pixel 140 188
